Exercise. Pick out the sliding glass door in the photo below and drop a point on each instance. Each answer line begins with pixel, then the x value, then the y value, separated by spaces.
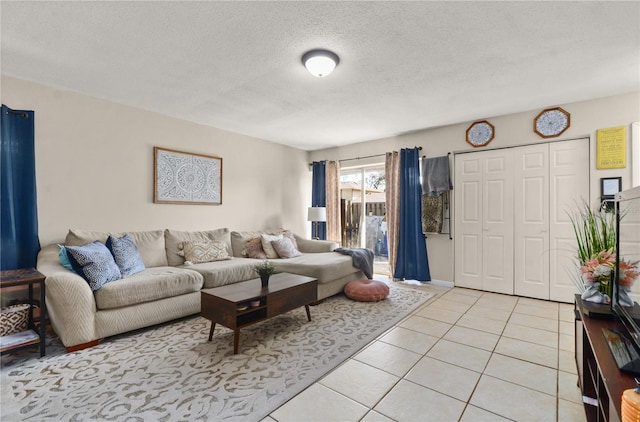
pixel 362 192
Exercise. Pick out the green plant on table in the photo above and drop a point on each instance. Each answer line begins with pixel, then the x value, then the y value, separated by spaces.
pixel 264 268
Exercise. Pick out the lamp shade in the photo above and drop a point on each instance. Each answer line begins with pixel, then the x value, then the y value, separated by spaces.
pixel 317 214
pixel 320 63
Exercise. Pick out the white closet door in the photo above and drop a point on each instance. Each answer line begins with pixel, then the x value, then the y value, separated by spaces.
pixel 531 226
pixel 497 221
pixel 468 220
pixel 569 185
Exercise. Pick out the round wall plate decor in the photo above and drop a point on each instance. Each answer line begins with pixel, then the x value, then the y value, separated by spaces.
pixel 551 122
pixel 480 133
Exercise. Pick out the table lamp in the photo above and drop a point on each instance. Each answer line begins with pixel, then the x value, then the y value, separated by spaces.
pixel 316 215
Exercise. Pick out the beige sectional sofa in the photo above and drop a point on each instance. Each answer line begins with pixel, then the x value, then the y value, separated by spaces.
pixel 167 289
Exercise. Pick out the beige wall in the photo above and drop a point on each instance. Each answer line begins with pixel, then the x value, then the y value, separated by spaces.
pixel 94 168
pixel 94 164
pixel 510 130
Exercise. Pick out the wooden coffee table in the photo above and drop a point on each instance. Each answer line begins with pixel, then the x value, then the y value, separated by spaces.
pixel 231 305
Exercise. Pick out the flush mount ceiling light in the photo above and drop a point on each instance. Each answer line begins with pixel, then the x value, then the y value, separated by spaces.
pixel 320 63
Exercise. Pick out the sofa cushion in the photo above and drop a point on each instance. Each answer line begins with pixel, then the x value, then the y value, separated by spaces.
pixel 151 247
pixel 239 241
pixel 150 244
pixel 146 286
pixel 314 246
pixel 79 237
pixel 94 263
pixel 173 239
pixel 325 266
pixel 126 255
pixel 199 251
pixel 221 273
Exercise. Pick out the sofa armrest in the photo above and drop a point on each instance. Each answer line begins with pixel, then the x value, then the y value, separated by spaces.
pixel 315 246
pixel 70 302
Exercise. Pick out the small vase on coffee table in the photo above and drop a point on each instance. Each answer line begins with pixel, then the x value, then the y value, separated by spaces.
pixel 264 279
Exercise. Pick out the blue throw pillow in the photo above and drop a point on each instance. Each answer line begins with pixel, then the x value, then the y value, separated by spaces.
pixel 64 258
pixel 126 255
pixel 94 263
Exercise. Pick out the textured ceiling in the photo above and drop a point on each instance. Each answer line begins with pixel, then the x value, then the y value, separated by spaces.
pixel 404 66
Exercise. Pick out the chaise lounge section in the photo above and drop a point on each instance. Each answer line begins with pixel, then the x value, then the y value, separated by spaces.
pixel 168 288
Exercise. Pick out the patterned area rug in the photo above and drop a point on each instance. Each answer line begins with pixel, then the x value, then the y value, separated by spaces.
pixel 171 373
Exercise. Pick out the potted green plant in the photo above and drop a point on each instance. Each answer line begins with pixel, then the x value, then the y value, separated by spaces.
pixel 596 241
pixel 264 270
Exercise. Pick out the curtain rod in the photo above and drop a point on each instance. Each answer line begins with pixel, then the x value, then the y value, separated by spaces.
pixel 362 158
pixel 19 112
pixel 448 154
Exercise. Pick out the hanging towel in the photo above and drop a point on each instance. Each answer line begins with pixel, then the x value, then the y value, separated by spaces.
pixel 432 211
pixel 435 176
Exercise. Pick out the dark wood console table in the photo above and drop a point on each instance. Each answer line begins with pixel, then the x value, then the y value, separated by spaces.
pixel 598 375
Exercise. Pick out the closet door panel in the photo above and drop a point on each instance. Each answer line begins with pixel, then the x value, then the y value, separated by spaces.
pixel 497 225
pixel 531 225
pixel 569 185
pixel 468 218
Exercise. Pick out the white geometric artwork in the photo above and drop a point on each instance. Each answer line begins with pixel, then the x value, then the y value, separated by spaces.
pixel 186 178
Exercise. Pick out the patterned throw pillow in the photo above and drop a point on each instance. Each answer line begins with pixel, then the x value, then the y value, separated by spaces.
pixel 254 249
pixel 266 245
pixel 94 263
pixel 285 248
pixel 290 236
pixel 125 253
pixel 199 251
pixel 14 319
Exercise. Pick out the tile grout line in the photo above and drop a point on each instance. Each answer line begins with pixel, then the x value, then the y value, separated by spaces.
pixel 443 295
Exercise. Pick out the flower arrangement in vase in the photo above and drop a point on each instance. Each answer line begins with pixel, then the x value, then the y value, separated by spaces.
pixel 264 270
pixel 596 241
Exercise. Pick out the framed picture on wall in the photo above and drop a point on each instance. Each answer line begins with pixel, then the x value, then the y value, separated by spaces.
pixel 186 178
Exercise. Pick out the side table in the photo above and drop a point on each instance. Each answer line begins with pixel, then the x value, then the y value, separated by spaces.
pixel 27 277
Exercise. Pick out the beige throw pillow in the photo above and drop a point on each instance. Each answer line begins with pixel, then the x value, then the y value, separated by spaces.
pixel 266 245
pixel 290 236
pixel 173 238
pixel 285 248
pixel 199 251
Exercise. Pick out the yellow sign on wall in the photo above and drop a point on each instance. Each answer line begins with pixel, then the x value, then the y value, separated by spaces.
pixel 611 148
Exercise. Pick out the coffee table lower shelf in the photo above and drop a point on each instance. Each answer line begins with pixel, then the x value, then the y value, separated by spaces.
pixel 239 305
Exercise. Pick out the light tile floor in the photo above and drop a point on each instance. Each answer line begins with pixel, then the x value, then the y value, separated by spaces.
pixel 464 356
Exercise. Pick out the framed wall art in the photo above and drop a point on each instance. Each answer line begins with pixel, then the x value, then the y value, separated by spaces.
pixel 552 122
pixel 611 148
pixel 186 178
pixel 480 133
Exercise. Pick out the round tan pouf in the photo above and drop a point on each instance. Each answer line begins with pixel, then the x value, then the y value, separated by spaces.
pixel 366 290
